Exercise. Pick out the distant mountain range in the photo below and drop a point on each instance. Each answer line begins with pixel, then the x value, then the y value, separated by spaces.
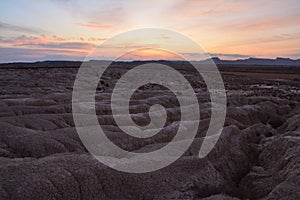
pixel 239 62
pixel 257 61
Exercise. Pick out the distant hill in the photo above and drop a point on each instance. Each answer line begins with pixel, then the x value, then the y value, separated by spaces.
pixel 41 64
pixel 240 62
pixel 257 61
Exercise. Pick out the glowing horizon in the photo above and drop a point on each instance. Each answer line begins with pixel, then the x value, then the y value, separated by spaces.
pixel 69 30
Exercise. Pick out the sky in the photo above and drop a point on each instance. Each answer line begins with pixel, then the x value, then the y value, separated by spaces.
pixel 35 30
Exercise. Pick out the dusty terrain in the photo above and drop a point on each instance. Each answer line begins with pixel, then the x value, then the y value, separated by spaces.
pixel 42 157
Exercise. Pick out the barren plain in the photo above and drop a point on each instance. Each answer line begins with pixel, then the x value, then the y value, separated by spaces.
pixel 256 157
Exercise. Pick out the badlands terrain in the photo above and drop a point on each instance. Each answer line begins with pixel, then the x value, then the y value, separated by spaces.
pixel 256 157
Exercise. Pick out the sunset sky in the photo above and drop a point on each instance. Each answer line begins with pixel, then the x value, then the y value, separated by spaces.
pixel 69 30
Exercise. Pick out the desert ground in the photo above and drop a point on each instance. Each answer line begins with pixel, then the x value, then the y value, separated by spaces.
pixel 256 157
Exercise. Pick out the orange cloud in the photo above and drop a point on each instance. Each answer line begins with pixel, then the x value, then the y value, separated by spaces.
pixel 150 54
pixel 23 39
pixel 95 26
pixel 267 23
pixel 51 42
